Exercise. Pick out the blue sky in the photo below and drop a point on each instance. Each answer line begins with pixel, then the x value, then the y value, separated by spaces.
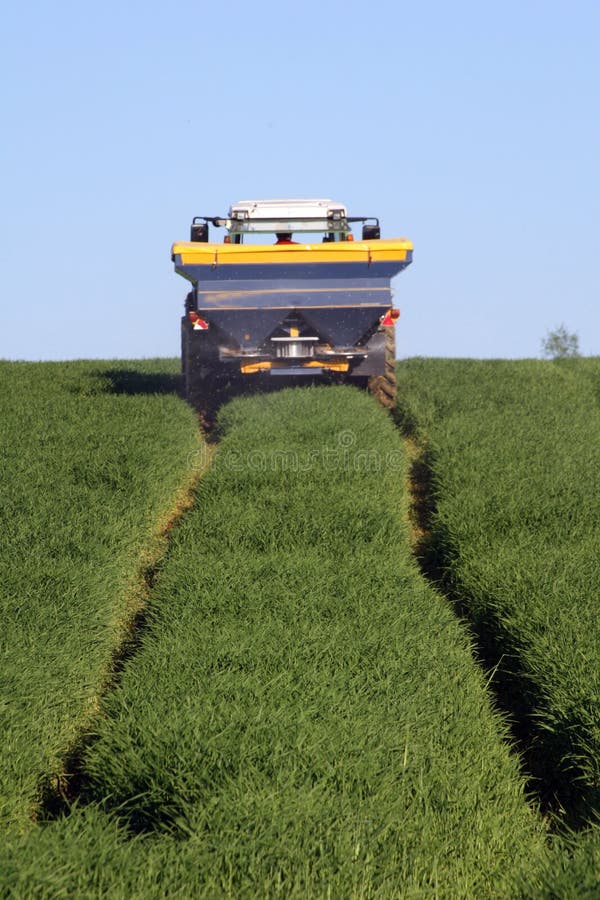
pixel 472 128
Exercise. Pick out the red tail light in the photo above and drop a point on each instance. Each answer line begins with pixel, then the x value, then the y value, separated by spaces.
pixel 198 324
pixel 390 317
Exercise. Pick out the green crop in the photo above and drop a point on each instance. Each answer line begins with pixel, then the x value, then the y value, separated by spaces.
pixel 303 716
pixel 92 459
pixel 514 454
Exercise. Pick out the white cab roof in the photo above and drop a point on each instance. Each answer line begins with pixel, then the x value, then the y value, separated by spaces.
pixel 287 215
pixel 286 209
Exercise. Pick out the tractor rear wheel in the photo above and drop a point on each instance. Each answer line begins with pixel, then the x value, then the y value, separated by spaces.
pixel 384 387
pixel 200 372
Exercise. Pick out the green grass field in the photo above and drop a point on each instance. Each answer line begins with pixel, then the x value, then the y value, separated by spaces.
pixel 303 715
pixel 299 712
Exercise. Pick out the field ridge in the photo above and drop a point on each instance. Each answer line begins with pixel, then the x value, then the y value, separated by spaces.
pixel 488 652
pixel 511 456
pixel 89 482
pixel 64 787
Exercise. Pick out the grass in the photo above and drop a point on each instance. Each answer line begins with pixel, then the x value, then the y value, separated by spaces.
pixel 93 457
pixel 514 453
pixel 304 716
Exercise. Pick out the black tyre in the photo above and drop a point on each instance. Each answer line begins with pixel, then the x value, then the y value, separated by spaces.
pixel 200 371
pixel 385 386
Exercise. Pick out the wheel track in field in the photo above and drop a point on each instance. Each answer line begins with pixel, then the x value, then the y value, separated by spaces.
pixel 59 791
pixel 504 690
pixel 556 791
